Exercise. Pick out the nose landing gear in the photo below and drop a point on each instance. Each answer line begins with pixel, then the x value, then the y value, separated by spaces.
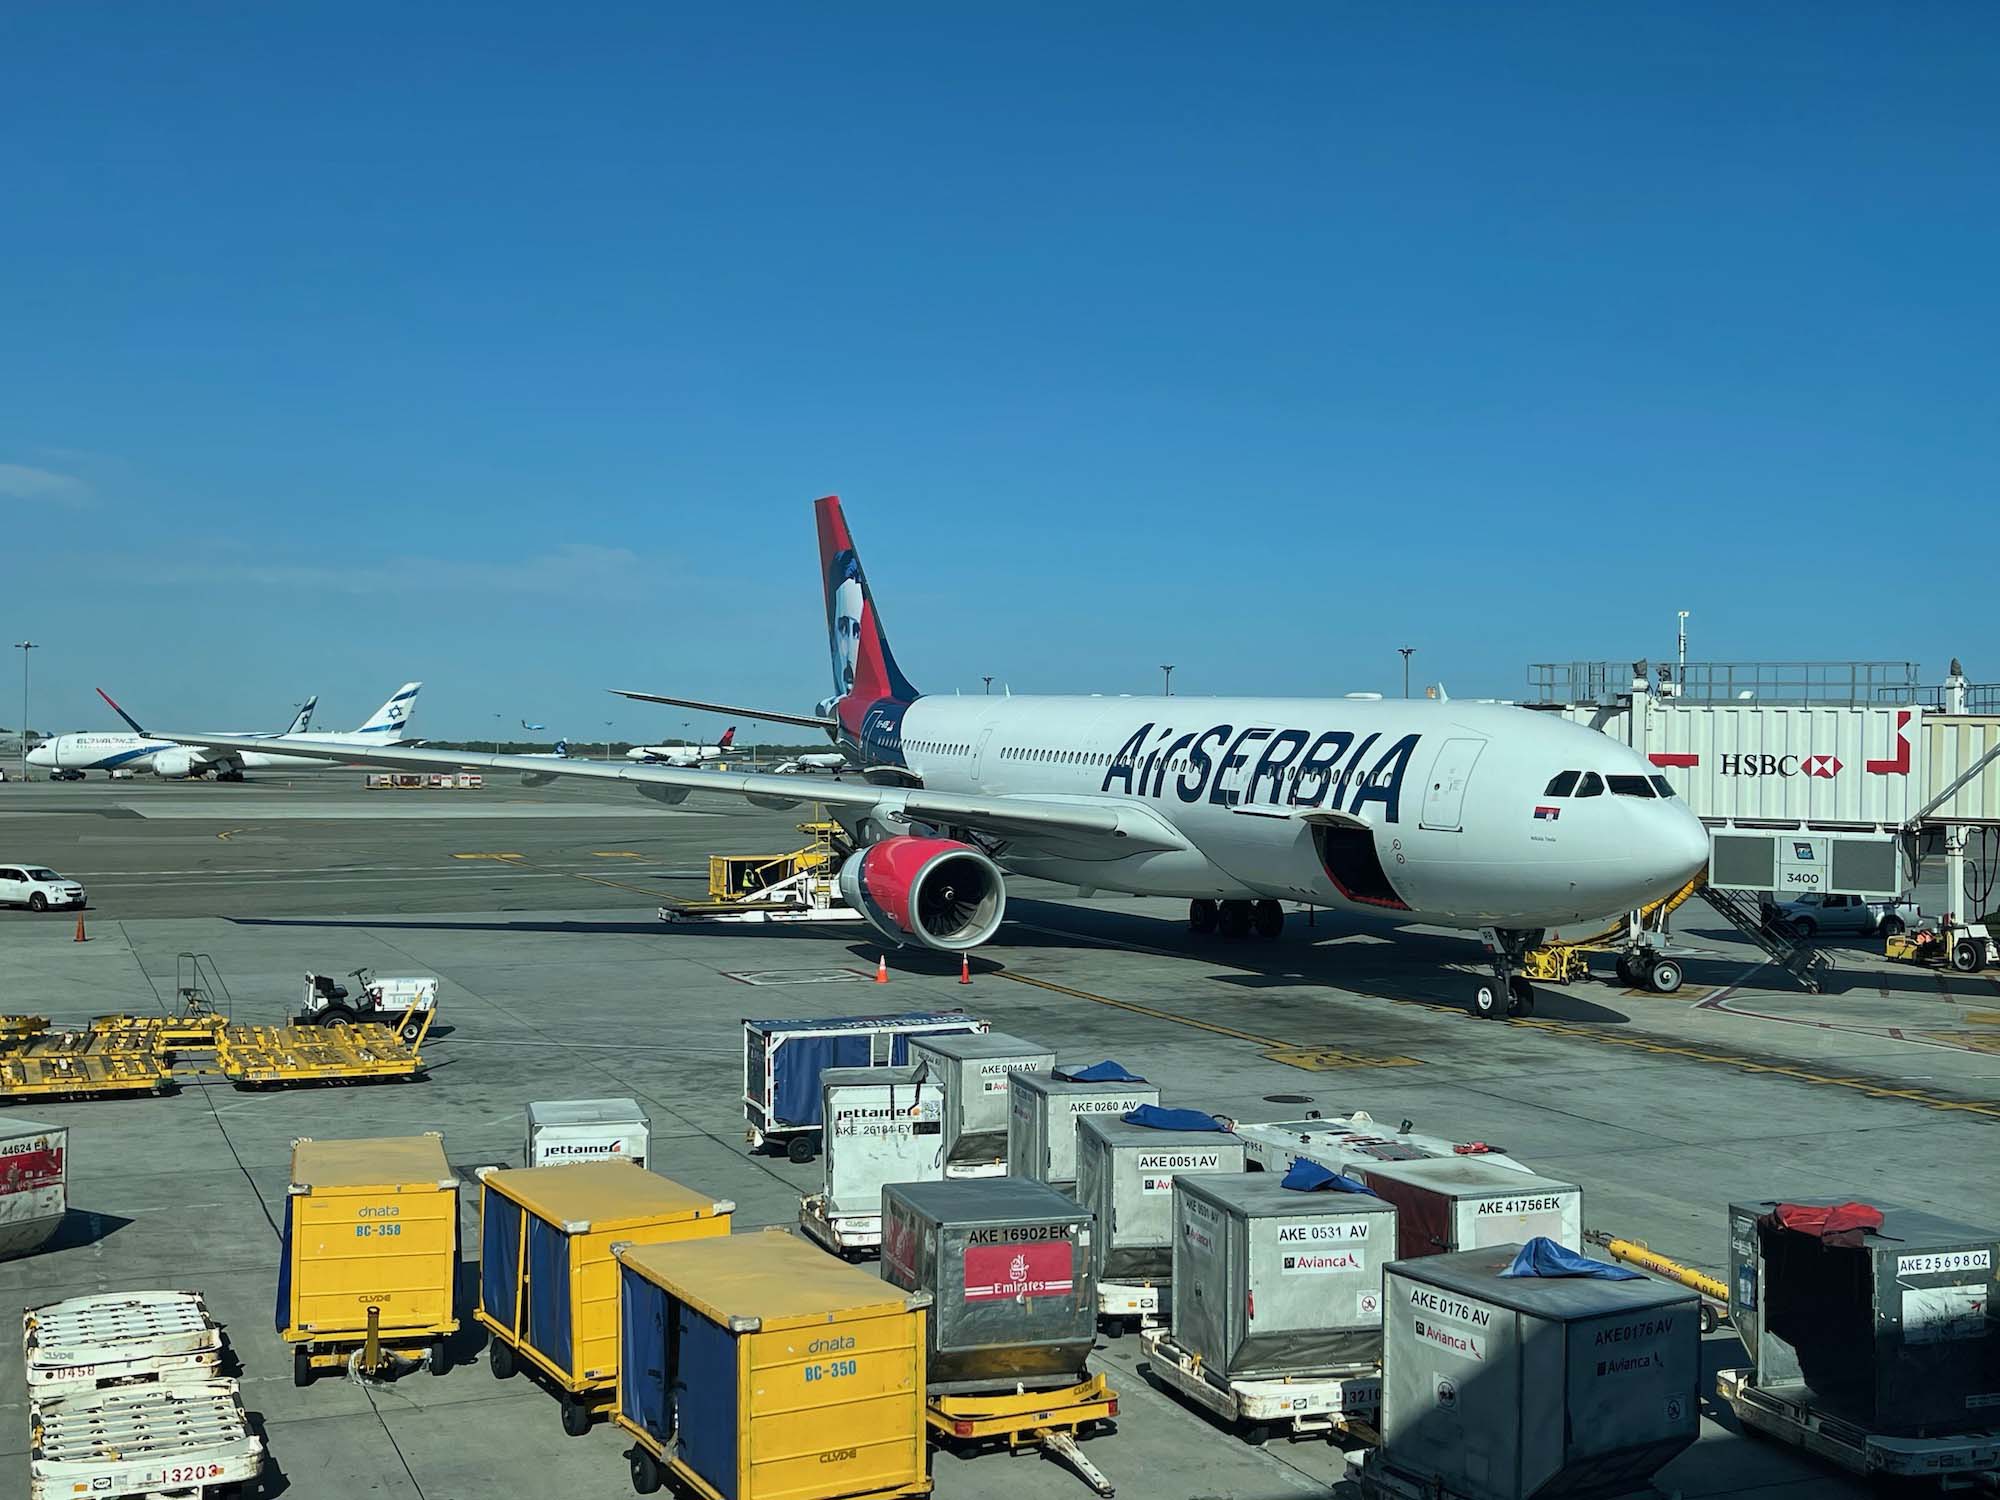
pixel 1508 988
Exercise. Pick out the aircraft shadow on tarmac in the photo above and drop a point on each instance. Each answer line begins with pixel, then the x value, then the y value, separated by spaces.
pixel 80 1227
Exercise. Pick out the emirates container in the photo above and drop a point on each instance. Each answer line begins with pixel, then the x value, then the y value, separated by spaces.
pixel 34 1184
pixel 1125 1175
pixel 972 1071
pixel 1503 1388
pixel 1042 1111
pixel 1895 1334
pixel 563 1131
pixel 1007 1265
pixel 1465 1203
pixel 1272 1282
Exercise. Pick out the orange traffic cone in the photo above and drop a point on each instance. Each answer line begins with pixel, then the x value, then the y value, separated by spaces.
pixel 964 969
pixel 79 929
pixel 881 968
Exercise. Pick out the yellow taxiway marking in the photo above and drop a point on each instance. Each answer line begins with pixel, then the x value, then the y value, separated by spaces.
pixel 616 854
pixel 1983 1017
pixel 616 885
pixel 486 856
pixel 1316 1059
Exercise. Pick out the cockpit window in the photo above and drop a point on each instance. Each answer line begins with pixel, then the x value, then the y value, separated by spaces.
pixel 1661 785
pixel 1630 786
pixel 1591 786
pixel 1562 784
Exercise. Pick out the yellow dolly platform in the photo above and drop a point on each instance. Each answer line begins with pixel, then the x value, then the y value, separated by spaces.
pixel 36 1063
pixel 1049 1420
pixel 285 1056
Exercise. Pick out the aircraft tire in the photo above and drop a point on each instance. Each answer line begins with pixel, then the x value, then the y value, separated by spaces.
pixel 1269 919
pixel 1486 1002
pixel 1234 919
pixel 1201 915
pixel 1664 977
pixel 1520 997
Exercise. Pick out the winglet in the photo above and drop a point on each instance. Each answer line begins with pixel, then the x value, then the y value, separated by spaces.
pixel 136 729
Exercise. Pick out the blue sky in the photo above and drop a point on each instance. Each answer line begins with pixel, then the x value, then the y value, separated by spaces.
pixel 505 346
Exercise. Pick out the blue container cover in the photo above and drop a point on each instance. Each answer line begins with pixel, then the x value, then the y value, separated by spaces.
pixel 795 1070
pixel 1310 1177
pixel 705 1397
pixel 284 1318
pixel 1104 1072
pixel 1153 1117
pixel 499 1257
pixel 1542 1256
pixel 548 1290
pixel 642 1354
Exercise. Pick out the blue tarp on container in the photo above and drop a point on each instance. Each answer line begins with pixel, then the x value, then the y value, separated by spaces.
pixel 548 1291
pixel 705 1397
pixel 1104 1072
pixel 499 1257
pixel 1542 1256
pixel 284 1318
pixel 642 1354
pixel 1153 1117
pixel 1310 1177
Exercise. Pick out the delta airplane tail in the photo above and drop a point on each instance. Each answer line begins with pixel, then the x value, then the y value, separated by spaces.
pixel 728 738
pixel 392 720
pixel 864 668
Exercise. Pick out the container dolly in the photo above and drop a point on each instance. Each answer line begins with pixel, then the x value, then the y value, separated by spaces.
pixel 853 1237
pixel 1340 1403
pixel 1047 1420
pixel 184 1438
pixel 1714 1295
pixel 1962 1461
pixel 1137 1304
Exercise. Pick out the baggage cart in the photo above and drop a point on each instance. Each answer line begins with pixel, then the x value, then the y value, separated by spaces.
pixel 782 1061
pixel 1956 1461
pixel 756 1367
pixel 972 1070
pixel 117 1338
pixel 548 1288
pixel 1344 1404
pixel 190 1439
pixel 573 1130
pixel 34 1184
pixel 369 1260
pixel 1051 1421
pixel 1348 1143
pixel 881 1125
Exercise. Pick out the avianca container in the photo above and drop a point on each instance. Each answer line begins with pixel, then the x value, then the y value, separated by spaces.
pixel 34 1184
pixel 782 1061
pixel 1125 1172
pixel 1042 1111
pixel 548 1290
pixel 1463 1203
pixel 758 1368
pixel 369 1225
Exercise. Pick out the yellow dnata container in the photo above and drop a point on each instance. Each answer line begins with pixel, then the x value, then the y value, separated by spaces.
pixel 759 1368
pixel 548 1290
pixel 371 1227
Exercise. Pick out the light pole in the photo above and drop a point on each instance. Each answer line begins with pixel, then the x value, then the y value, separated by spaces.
pixel 1167 671
pixel 1681 649
pixel 607 739
pixel 24 647
pixel 496 734
pixel 1406 650
pixel 988 680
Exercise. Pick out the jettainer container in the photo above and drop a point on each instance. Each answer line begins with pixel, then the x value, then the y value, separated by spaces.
pixel 1125 1175
pixel 1006 1264
pixel 756 1367
pixel 972 1070
pixel 882 1125
pixel 34 1184
pixel 1042 1111
pixel 1465 1203
pixel 1269 1281
pixel 782 1061
pixel 1897 1334
pixel 371 1228
pixel 548 1290
pixel 579 1130
pixel 1502 1388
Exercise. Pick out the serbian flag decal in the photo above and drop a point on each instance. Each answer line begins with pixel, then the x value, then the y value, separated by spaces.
pixel 1547 814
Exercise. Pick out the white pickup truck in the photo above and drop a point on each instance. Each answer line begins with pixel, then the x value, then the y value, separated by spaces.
pixel 1815 912
pixel 328 1002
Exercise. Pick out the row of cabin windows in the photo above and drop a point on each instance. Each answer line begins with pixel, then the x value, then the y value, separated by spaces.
pixel 940 747
pixel 1590 784
pixel 1173 767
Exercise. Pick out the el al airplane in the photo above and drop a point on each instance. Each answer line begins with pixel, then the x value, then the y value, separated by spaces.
pixel 683 755
pixel 227 756
pixel 1469 815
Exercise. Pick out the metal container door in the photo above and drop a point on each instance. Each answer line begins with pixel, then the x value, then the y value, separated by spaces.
pixel 1444 795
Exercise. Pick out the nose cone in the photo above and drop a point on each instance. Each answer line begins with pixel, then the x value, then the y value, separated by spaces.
pixel 43 754
pixel 1680 846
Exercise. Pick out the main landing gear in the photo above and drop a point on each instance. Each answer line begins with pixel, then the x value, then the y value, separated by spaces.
pixel 1236 919
pixel 1507 989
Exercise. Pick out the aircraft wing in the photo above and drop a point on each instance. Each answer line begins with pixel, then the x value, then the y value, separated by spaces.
pixel 769 716
pixel 1098 828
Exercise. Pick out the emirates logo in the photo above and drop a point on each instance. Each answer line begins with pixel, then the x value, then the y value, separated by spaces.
pixel 1017 1268
pixel 1825 766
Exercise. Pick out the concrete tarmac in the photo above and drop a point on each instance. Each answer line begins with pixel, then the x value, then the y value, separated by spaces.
pixel 536 910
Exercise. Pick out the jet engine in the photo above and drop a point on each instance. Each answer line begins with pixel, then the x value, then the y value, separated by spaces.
pixel 932 893
pixel 175 765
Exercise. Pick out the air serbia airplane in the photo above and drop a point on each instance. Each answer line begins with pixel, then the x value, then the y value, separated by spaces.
pixel 683 755
pixel 1468 815
pixel 228 756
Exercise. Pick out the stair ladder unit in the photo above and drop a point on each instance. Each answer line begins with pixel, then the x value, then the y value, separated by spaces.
pixel 1800 960
pixel 197 986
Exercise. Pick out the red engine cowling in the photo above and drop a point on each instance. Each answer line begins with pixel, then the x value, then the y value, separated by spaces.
pixel 934 893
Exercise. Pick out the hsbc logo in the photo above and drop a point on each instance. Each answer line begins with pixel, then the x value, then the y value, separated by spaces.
pixel 1821 767
pixel 1827 766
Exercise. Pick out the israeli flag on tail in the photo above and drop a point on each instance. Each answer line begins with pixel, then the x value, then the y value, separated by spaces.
pixel 392 720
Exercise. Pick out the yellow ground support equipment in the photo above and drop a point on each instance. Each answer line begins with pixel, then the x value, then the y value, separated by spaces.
pixel 1049 1420
pixel 283 1056
pixel 756 1367
pixel 1715 1295
pixel 548 1288
pixel 1567 963
pixel 735 877
pixel 37 1063
pixel 370 1255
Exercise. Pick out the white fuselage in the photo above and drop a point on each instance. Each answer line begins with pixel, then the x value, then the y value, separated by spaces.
pixel 138 753
pixel 1438 809
pixel 675 755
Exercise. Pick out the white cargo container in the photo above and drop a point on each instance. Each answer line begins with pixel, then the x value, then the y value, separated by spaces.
pixel 1042 1111
pixel 570 1130
pixel 1125 1174
pixel 1502 1388
pixel 118 1338
pixel 972 1070
pixel 34 1184
pixel 1465 1203
pixel 882 1126
pixel 1346 1143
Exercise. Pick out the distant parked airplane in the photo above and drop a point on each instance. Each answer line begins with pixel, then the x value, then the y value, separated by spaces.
pixel 683 755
